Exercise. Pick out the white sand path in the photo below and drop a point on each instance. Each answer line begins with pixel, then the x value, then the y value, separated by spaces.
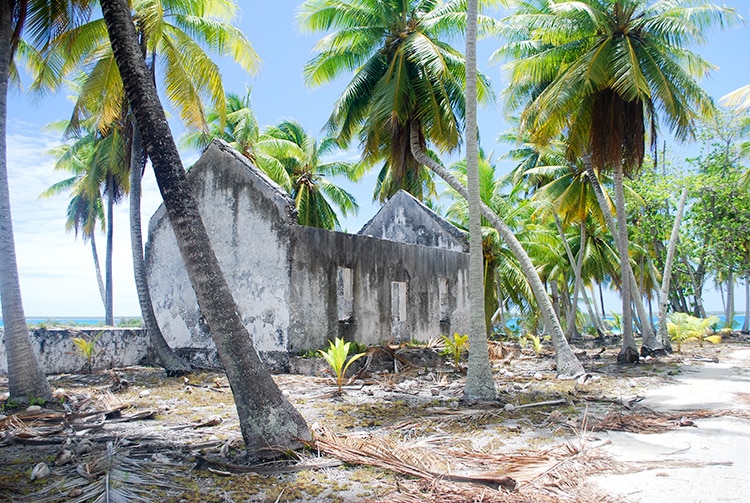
pixel 707 463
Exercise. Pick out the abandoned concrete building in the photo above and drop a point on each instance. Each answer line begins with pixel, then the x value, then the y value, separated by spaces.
pixel 404 276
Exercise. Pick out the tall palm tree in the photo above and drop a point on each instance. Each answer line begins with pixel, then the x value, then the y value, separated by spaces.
pixel 607 72
pixel 267 419
pixel 97 164
pixel 404 73
pixel 174 36
pixel 305 176
pixel 40 21
pixel 479 383
pixel 97 161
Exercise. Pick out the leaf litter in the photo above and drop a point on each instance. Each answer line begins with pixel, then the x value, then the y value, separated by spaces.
pixel 413 439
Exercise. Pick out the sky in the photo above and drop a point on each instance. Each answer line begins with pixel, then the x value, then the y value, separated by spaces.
pixel 56 268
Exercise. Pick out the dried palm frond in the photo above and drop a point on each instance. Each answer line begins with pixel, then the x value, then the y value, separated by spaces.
pixel 655 422
pixel 111 477
pixel 405 458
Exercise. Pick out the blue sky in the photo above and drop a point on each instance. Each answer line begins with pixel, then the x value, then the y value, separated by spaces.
pixel 56 269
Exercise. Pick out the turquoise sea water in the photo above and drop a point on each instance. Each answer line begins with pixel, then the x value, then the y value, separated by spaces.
pixel 739 319
pixel 80 321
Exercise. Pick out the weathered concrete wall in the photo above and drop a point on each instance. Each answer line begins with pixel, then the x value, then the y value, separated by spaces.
pixel 297 287
pixel 247 217
pixel 435 300
pixel 116 347
pixel 406 220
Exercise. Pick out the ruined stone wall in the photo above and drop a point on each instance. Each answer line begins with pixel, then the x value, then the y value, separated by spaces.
pixel 246 217
pixel 373 290
pixel 115 347
pixel 297 287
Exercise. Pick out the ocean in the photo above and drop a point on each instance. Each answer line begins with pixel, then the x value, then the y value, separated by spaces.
pixel 76 321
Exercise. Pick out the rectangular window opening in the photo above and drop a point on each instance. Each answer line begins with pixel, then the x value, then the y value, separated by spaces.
pixel 345 294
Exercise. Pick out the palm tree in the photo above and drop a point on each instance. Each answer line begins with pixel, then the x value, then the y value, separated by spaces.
pixel 97 163
pixel 289 156
pixel 267 419
pixel 606 72
pixel 173 33
pixel 305 175
pixel 479 383
pixel 41 21
pixel 404 73
pixel 567 363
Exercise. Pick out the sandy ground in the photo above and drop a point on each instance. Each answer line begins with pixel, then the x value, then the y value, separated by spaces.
pixel 706 463
pixel 419 415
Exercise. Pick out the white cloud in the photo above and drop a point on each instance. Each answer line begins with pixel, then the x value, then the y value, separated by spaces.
pixel 55 268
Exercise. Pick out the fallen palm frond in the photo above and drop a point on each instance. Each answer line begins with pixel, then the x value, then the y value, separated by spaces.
pixel 471 417
pixel 111 477
pixel 416 459
pixel 224 468
pixel 656 422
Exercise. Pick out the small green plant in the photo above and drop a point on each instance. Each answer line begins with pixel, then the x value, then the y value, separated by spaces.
pixel 310 353
pixel 357 347
pixel 87 349
pixel 336 356
pixel 682 327
pixel 537 342
pixel 615 324
pixel 10 404
pixel 454 347
pixel 35 400
pixel 130 322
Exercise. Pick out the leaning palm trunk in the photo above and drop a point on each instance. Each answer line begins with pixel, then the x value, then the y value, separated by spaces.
pixel 479 382
pixel 173 364
pixel 667 276
pixel 26 379
pixel 267 419
pixel 628 340
pixel 571 329
pixel 567 363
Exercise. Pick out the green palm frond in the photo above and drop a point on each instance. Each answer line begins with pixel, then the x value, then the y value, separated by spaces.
pixel 405 72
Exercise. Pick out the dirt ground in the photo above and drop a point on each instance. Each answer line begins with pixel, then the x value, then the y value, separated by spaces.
pixel 621 434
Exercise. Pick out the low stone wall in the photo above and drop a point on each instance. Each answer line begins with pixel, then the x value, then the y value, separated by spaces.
pixel 115 347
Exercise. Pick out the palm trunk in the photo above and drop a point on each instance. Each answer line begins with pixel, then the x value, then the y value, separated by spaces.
pixel 578 267
pixel 746 324
pixel 173 364
pixel 730 300
pixel 109 316
pixel 667 276
pixel 98 269
pixel 596 320
pixel 629 352
pixel 26 380
pixel 696 278
pixel 479 382
pixel 567 363
pixel 554 292
pixel 267 419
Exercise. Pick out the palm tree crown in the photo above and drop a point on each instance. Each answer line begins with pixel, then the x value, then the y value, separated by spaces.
pixel 305 175
pixel 404 72
pixel 608 71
